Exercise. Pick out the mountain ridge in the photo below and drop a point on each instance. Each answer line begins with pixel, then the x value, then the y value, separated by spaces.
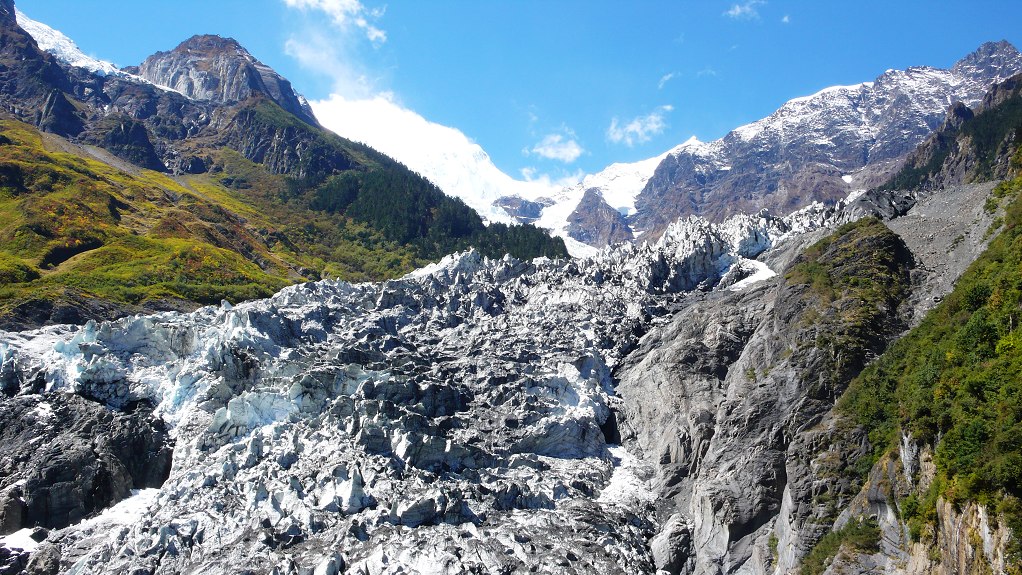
pixel 817 147
pixel 210 68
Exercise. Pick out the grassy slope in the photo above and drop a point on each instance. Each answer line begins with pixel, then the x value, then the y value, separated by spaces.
pixel 129 235
pixel 955 382
pixel 74 222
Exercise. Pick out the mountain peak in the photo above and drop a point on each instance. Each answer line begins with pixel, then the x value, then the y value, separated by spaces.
pixel 999 59
pixel 216 69
pixel 210 44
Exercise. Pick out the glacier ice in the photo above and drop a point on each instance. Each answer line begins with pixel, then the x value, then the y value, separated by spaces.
pixel 459 416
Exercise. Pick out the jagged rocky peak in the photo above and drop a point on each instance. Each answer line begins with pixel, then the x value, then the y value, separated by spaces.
pixel 594 222
pixel 217 69
pixel 818 147
pixel 990 59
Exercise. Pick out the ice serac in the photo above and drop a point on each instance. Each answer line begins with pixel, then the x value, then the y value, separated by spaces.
pixel 215 69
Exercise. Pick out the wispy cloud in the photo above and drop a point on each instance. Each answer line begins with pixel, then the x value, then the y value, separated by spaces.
pixel 786 19
pixel 638 130
pixel 665 79
pixel 747 11
pixel 318 51
pixel 557 147
pixel 331 40
pixel 344 14
pixel 553 182
pixel 707 71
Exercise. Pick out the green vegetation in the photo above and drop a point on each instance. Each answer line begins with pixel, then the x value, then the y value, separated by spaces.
pixel 855 279
pixel 913 175
pixel 856 246
pixel 859 536
pixel 986 137
pixel 956 382
pixel 341 178
pixel 989 132
pixel 409 210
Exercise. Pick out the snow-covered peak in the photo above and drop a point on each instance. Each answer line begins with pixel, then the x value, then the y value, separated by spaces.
pixel 692 146
pixel 859 107
pixel 806 150
pixel 829 91
pixel 64 49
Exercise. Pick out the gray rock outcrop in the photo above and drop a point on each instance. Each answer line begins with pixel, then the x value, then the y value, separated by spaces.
pixel 214 69
pixel 595 223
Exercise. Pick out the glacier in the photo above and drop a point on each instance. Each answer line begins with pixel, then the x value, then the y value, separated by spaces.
pixel 456 420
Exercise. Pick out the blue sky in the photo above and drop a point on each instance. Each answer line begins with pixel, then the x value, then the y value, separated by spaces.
pixel 558 87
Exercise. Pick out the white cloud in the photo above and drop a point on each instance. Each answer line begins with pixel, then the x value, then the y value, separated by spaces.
pixel 638 130
pixel 556 147
pixel 746 11
pixel 565 180
pixel 665 79
pixel 444 155
pixel 332 39
pixel 344 14
pixel 331 57
pixel 706 72
pixel 786 19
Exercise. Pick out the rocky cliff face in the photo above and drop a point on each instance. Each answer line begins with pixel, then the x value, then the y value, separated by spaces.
pixel 171 112
pixel 966 149
pixel 743 388
pixel 595 223
pixel 215 69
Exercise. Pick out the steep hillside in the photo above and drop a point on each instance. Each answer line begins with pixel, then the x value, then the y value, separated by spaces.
pixel 971 145
pixel 945 404
pixel 85 239
pixel 930 430
pixel 218 186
